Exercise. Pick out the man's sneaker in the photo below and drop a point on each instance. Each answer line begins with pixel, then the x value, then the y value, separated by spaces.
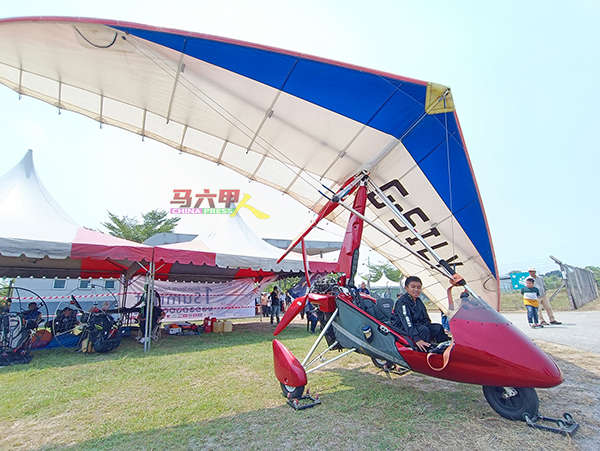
pixel 439 348
pixel 555 322
pixel 539 326
pixel 543 323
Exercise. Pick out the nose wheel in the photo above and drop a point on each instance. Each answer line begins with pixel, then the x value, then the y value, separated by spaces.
pixel 511 402
pixel 292 392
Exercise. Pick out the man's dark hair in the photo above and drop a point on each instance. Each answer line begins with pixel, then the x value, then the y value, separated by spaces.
pixel 411 279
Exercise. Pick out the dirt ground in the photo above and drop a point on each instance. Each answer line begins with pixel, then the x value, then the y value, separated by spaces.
pixel 579 394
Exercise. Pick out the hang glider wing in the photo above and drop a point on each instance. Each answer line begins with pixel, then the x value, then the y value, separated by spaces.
pixel 288 120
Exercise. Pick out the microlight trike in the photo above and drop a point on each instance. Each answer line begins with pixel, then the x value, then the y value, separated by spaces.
pixel 301 124
pixel 486 349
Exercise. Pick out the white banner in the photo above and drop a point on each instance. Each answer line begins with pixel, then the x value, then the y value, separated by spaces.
pixel 189 301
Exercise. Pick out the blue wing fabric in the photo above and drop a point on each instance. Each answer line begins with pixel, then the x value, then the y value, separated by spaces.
pixel 292 121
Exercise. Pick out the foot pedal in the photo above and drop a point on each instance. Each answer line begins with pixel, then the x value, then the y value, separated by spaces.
pixel 565 425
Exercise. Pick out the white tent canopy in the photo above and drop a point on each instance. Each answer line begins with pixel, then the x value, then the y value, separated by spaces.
pixel 38 238
pixel 230 243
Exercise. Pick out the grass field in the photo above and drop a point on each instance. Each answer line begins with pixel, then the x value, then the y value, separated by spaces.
pixel 513 301
pixel 218 391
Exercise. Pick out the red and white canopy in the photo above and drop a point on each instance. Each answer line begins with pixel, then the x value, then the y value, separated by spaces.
pixel 39 239
pixel 229 249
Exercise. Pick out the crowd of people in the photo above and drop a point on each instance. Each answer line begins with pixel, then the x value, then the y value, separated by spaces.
pixel 273 304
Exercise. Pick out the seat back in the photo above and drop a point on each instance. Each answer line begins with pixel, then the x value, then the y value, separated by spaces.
pixel 383 308
pixel 380 309
pixel 103 332
pixel 15 340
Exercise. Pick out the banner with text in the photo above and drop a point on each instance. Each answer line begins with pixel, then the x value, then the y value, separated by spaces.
pixel 183 301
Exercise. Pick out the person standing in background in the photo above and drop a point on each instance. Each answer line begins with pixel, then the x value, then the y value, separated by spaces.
pixel 531 300
pixel 538 282
pixel 274 304
pixel 363 289
pixel 264 304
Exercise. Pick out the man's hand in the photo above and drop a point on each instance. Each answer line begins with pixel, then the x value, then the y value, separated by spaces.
pixel 423 345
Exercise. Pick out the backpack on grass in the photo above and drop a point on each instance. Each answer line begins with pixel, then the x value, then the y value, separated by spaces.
pixel 103 332
pixel 15 340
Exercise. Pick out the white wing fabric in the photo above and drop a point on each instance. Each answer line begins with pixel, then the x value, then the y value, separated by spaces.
pixel 288 120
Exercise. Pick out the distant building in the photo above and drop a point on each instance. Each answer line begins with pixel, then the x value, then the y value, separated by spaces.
pixel 505 284
pixel 57 293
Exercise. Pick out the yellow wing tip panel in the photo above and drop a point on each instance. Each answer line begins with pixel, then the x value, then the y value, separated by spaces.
pixel 438 99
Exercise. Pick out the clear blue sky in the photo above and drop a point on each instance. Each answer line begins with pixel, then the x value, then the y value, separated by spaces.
pixel 523 76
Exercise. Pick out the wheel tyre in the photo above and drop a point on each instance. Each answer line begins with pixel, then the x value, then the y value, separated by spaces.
pixel 383 364
pixel 292 392
pixel 513 408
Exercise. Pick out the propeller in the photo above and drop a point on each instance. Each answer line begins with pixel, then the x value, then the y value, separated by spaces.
pixel 292 311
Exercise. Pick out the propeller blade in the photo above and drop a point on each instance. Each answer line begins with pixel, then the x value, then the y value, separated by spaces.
pixel 291 313
pixel 351 185
pixel 75 303
pixel 326 210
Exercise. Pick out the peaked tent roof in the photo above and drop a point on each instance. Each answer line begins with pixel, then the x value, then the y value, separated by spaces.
pixel 38 238
pixel 229 244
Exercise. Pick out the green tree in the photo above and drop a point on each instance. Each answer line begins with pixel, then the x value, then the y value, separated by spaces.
pixel 556 273
pixel 4 294
pixel 284 284
pixel 596 271
pixel 392 273
pixel 552 281
pixel 377 270
pixel 374 273
pixel 130 228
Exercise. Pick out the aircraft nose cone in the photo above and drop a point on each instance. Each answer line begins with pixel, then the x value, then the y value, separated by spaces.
pixel 499 354
pixel 534 364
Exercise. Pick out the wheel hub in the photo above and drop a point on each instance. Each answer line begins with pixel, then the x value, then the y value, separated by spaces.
pixel 509 392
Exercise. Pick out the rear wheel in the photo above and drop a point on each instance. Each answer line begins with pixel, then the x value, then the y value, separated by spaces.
pixel 292 392
pixel 512 403
pixel 383 364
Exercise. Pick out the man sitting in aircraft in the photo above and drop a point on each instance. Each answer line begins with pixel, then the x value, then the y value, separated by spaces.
pixel 410 317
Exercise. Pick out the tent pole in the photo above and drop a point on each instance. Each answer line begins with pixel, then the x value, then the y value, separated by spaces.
pixel 149 306
pixel 124 291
